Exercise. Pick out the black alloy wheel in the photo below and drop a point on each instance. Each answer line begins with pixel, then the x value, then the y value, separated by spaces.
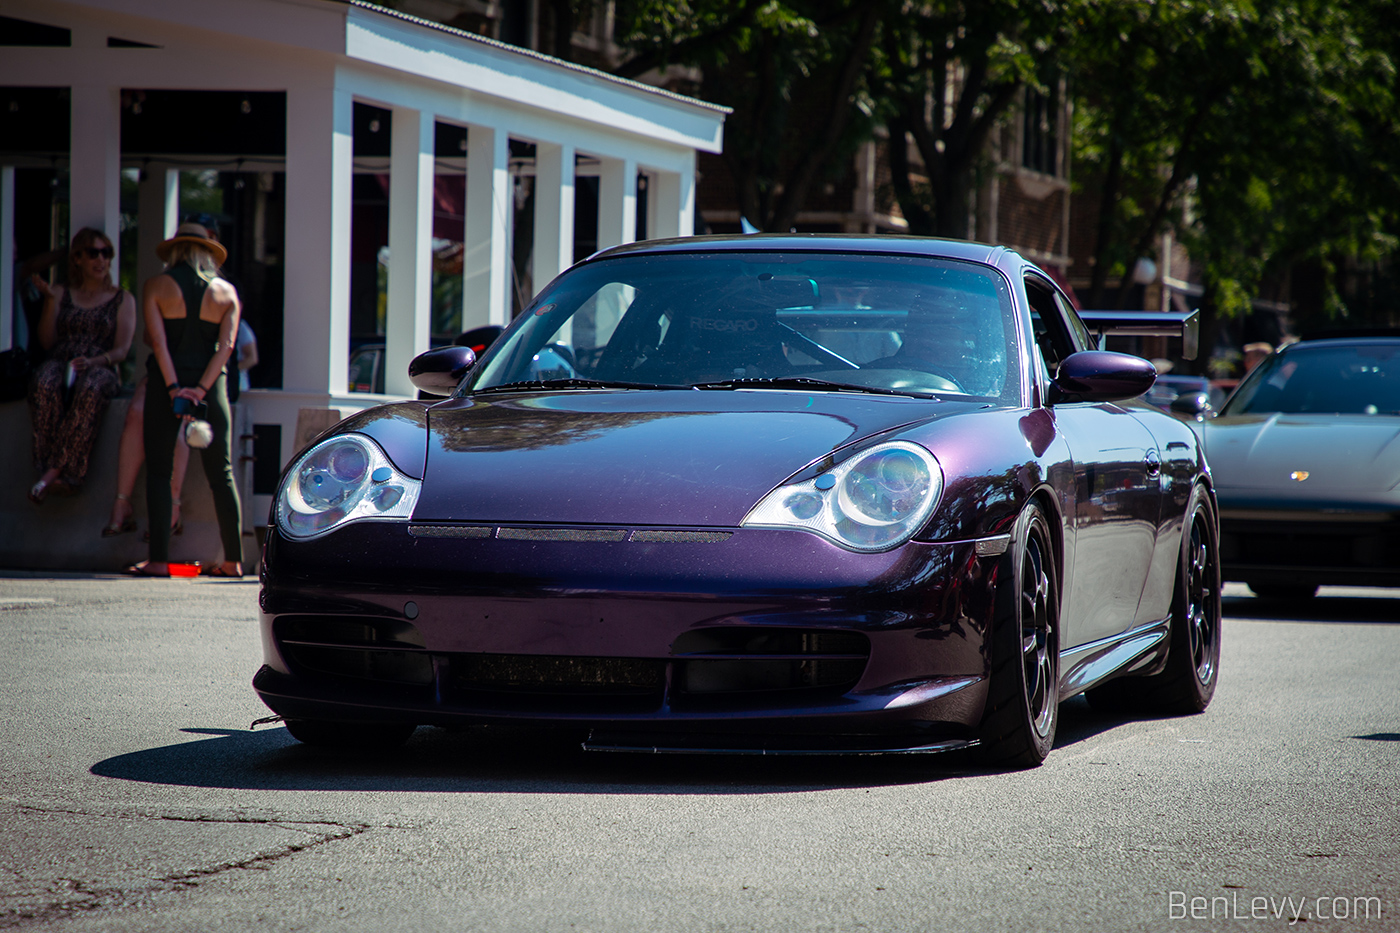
pixel 1199 595
pixel 1023 702
pixel 1186 684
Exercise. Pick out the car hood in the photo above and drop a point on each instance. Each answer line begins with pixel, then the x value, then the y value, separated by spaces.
pixel 638 457
pixel 1339 453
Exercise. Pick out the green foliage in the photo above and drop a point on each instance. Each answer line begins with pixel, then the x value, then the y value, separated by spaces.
pixel 1260 131
pixel 792 70
pixel 946 74
pixel 1263 133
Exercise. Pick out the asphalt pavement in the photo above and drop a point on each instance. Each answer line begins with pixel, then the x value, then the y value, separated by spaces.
pixel 135 796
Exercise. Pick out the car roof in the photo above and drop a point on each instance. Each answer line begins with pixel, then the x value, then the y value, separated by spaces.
pixel 874 244
pixel 1346 339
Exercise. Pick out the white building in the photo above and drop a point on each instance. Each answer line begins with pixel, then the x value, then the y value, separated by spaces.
pixel 324 61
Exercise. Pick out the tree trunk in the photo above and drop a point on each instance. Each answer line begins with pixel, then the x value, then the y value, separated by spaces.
pixel 816 158
pixel 1108 205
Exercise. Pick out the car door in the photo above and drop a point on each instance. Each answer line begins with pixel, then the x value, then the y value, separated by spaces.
pixel 1112 521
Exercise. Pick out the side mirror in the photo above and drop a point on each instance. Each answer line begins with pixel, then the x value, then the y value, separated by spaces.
pixel 439 371
pixel 1102 376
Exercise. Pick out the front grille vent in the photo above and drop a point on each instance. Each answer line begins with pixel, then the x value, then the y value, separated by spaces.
pixel 549 674
pixel 362 647
pixel 736 662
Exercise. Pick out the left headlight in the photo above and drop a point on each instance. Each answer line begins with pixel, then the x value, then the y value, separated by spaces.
pixel 874 501
pixel 341 480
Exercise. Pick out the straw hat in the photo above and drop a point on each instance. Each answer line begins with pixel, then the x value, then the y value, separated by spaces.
pixel 192 233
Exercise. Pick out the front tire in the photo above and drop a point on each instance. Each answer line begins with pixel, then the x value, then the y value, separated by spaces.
pixel 1023 701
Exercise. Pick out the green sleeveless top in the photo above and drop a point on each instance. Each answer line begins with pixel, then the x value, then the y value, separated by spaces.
pixel 192 341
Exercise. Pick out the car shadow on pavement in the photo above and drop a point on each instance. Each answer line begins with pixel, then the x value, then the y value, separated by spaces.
pixel 473 761
pixel 1321 608
pixel 479 761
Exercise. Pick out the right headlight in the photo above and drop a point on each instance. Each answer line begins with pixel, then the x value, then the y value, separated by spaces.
pixel 874 501
pixel 343 479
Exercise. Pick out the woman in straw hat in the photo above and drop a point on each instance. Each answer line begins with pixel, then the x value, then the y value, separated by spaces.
pixel 192 322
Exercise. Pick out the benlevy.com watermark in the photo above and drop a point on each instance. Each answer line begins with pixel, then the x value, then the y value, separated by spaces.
pixel 1291 908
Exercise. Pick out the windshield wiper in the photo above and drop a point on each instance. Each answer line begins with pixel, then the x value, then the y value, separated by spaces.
pixel 573 383
pixel 804 382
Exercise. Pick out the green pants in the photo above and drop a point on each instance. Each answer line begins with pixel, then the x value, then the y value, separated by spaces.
pixel 160 431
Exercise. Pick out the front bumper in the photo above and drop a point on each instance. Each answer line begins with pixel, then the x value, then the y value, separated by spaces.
pixel 645 639
pixel 1310 545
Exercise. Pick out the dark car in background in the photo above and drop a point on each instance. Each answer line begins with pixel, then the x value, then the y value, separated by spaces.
pixel 1306 459
pixel 763 494
pixel 366 368
pixel 1171 387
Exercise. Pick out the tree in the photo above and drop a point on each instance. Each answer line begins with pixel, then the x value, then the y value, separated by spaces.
pixel 1256 130
pixel 947 74
pixel 792 70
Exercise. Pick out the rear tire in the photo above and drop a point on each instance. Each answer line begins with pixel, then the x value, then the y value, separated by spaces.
pixel 1023 700
pixel 1187 683
pixel 358 736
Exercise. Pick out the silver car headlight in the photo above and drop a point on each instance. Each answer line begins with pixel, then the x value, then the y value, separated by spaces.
pixel 341 480
pixel 874 501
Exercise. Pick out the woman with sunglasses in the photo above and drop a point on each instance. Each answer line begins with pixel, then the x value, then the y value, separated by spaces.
pixel 86 328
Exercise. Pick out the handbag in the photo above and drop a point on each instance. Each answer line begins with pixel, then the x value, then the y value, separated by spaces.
pixel 15 372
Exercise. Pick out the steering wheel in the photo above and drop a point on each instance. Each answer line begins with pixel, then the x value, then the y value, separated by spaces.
pixel 910 376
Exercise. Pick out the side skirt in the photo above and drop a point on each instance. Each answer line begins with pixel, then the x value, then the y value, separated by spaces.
pixel 1136 651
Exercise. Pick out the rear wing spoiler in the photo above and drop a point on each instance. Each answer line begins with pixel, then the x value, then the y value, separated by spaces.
pixel 1183 324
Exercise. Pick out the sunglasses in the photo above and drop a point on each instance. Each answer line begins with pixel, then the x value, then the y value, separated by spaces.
pixel 106 252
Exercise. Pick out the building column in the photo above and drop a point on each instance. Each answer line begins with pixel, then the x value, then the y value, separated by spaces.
pixel 486 254
pixel 554 212
pixel 672 196
pixel 95 164
pixel 408 324
pixel 316 328
pixel 7 257
pixel 157 216
pixel 617 202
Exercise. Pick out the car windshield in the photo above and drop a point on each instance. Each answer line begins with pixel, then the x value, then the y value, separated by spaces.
pixel 1362 379
pixel 726 320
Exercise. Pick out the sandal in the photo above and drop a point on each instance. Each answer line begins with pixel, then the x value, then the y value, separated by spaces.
pixel 218 570
pixel 125 526
pixel 143 569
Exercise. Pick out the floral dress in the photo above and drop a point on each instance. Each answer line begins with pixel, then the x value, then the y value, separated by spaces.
pixel 66 421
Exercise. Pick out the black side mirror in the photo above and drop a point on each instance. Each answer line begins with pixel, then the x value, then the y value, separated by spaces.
pixel 1101 376
pixel 439 371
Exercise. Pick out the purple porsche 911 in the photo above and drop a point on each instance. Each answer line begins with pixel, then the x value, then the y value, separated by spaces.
pixel 764 494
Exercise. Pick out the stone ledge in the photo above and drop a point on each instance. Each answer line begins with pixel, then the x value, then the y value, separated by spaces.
pixel 66 533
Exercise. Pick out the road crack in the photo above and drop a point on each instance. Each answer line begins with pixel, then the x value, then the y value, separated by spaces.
pixel 72 896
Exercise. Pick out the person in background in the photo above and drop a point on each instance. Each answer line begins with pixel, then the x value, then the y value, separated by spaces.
pixel 29 300
pixel 192 319
pixel 132 451
pixel 1256 353
pixel 87 329
pixel 246 353
pixel 130 455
